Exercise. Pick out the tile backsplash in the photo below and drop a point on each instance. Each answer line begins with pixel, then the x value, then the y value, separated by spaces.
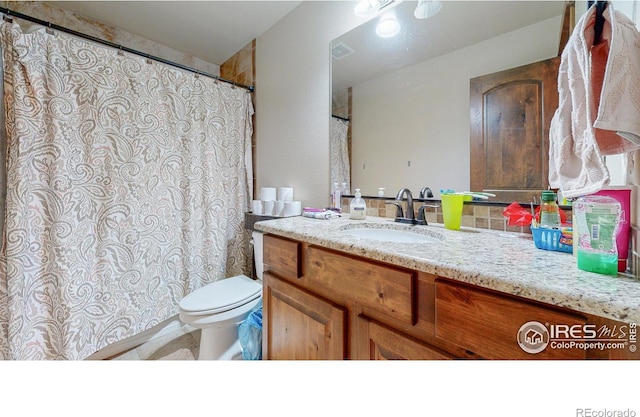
pixel 482 216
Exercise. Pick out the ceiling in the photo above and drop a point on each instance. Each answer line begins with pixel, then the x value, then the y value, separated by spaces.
pixel 459 24
pixel 215 30
pixel 210 30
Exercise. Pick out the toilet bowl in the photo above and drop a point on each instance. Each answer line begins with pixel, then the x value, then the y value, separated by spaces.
pixel 218 308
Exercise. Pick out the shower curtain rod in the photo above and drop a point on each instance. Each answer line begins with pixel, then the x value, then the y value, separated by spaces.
pixel 11 13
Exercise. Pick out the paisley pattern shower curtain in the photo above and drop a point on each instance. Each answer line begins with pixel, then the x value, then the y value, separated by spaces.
pixel 127 184
pixel 339 151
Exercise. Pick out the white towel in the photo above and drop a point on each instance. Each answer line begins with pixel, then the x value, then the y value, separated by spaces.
pixel 323 215
pixel 618 120
pixel 576 165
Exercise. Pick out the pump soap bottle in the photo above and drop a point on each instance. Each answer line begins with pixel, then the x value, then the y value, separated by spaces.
pixel 358 208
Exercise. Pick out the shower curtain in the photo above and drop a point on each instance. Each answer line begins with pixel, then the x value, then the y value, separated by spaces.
pixel 339 150
pixel 127 183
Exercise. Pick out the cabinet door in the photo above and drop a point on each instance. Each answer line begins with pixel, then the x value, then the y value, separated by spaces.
pixel 511 113
pixel 378 342
pixel 300 325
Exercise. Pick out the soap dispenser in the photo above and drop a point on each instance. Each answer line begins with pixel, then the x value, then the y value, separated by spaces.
pixel 358 208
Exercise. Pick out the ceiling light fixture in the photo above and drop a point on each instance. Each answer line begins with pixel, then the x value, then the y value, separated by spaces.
pixel 367 8
pixel 388 26
pixel 427 8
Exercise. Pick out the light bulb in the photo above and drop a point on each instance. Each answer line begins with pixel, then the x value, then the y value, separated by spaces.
pixel 366 8
pixel 388 26
pixel 427 8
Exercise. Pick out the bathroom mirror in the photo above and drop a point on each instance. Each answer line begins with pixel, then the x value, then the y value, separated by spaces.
pixel 407 96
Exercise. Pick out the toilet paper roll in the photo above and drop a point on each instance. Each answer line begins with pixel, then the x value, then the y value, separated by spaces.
pixel 292 208
pixel 256 207
pixel 285 194
pixel 279 209
pixel 268 207
pixel 268 194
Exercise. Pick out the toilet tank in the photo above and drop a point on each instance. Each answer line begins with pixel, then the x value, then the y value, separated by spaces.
pixel 257 253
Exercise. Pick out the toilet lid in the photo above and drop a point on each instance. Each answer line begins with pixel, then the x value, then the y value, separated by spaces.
pixel 221 295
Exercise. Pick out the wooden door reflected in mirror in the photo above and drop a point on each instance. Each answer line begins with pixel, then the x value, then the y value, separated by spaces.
pixel 510 114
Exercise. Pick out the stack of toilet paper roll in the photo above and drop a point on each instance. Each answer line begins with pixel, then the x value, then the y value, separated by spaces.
pixel 277 202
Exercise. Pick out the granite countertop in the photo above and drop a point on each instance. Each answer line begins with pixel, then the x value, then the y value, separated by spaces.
pixel 506 262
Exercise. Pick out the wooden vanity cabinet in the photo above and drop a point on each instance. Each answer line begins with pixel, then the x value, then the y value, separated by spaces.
pixel 323 304
pixel 296 323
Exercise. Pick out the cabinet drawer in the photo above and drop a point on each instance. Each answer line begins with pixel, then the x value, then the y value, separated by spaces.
pixel 488 323
pixel 381 288
pixel 282 256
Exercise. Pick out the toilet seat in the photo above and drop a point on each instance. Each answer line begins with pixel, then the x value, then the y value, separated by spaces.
pixel 221 296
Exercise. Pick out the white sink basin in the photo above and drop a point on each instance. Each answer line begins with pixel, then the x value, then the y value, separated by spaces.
pixel 390 235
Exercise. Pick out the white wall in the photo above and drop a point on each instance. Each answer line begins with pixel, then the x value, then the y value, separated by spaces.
pixel 420 114
pixel 293 66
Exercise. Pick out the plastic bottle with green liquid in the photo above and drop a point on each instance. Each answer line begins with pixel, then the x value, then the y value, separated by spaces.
pixel 597 219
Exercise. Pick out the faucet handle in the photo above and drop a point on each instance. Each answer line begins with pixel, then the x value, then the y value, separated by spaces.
pixel 399 212
pixel 422 218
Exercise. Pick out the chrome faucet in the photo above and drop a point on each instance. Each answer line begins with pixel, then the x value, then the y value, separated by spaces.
pixel 400 216
pixel 410 213
pixel 410 216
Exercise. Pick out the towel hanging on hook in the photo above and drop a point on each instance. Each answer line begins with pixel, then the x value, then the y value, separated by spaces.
pixel 600 6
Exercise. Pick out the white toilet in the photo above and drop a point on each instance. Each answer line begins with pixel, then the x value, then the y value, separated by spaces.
pixel 218 308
